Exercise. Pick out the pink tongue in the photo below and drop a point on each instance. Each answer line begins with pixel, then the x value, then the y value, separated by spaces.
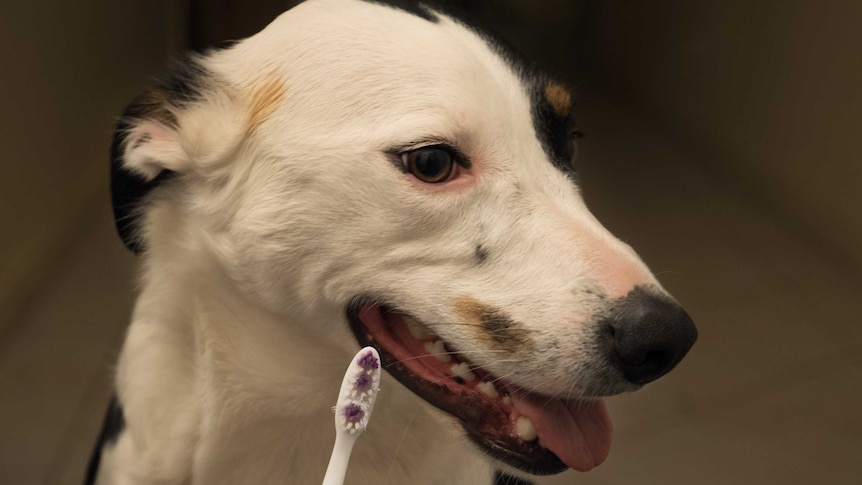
pixel 577 431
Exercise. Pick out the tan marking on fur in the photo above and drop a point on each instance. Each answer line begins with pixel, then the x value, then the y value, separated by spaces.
pixel 267 93
pixel 491 324
pixel 470 310
pixel 559 98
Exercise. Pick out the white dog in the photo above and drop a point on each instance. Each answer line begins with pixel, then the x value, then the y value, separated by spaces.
pixel 365 172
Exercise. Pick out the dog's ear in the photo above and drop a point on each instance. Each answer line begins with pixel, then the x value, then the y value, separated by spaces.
pixel 184 125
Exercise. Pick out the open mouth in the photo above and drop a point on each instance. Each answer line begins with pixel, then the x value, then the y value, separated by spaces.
pixel 536 434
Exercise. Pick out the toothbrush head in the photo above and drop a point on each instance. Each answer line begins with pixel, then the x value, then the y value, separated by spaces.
pixel 358 391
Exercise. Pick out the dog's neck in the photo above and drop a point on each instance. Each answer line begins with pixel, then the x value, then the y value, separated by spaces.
pixel 248 352
pixel 263 387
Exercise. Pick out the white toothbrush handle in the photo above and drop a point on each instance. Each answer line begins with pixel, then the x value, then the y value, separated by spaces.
pixel 337 468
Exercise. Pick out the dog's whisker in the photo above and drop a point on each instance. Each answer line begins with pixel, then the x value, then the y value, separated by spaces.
pixel 416 357
pixel 471 365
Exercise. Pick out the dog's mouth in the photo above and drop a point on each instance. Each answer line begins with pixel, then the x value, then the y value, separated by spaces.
pixel 534 433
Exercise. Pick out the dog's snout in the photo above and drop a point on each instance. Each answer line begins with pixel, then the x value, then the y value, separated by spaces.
pixel 650 334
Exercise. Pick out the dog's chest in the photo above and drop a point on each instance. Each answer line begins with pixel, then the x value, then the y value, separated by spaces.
pixel 405 444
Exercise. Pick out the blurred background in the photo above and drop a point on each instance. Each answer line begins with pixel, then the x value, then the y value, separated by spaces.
pixel 723 142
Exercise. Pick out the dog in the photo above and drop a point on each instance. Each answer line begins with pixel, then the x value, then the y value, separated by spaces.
pixel 369 173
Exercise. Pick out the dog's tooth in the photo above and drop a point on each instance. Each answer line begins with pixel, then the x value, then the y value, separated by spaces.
pixel 488 389
pixel 463 371
pixel 507 400
pixel 437 349
pixel 417 330
pixel 526 430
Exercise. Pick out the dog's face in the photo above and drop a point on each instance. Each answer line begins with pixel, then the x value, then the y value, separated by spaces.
pixel 394 166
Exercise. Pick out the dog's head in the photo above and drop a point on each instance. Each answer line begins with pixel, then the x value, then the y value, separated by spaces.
pixel 397 167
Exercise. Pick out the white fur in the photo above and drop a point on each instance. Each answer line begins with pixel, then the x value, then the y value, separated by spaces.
pixel 238 340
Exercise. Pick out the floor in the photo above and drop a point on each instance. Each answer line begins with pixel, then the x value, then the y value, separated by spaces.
pixel 771 393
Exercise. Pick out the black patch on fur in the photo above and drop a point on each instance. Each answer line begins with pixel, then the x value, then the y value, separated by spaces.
pixel 183 86
pixel 501 328
pixel 501 478
pixel 414 7
pixel 481 254
pixel 555 131
pixel 112 426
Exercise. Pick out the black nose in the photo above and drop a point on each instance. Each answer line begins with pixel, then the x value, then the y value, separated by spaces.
pixel 650 335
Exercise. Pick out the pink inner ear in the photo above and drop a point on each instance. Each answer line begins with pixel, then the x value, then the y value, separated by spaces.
pixel 140 140
pixel 151 148
pixel 149 131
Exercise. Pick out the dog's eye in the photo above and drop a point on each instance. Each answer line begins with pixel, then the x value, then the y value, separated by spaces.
pixel 429 164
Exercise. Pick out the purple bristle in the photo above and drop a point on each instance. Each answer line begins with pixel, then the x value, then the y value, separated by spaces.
pixel 368 361
pixel 362 383
pixel 353 413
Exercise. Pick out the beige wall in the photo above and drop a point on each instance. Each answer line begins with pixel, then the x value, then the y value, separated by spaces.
pixel 771 89
pixel 68 68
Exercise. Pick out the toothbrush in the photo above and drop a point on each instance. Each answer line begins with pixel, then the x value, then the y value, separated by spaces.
pixel 353 409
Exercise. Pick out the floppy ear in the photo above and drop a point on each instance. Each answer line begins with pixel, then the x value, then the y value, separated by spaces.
pixel 147 147
pixel 188 124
